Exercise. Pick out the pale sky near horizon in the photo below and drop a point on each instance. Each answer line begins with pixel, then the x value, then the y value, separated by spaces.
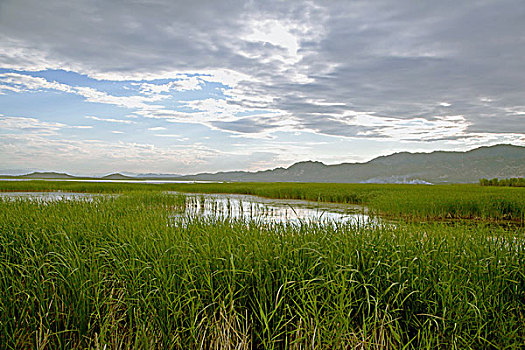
pixel 160 86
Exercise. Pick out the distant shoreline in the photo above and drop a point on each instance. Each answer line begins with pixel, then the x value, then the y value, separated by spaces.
pixel 144 181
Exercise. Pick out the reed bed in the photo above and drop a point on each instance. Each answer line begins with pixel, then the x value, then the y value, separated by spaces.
pixel 124 272
pixel 413 202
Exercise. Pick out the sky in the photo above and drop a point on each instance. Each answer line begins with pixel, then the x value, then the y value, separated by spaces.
pixel 182 87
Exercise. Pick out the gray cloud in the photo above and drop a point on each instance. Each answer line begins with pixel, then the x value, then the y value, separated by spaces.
pixel 244 125
pixel 392 59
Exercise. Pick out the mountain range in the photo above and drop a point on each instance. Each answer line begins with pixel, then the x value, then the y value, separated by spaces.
pixel 499 161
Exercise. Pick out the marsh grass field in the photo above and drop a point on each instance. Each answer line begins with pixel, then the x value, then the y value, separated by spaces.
pixel 124 272
pixel 421 202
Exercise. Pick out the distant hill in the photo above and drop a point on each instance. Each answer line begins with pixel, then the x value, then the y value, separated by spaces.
pixel 500 161
pixel 117 176
pixel 46 175
pixel 155 176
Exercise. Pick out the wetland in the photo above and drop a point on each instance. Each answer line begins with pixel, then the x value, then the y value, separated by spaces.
pixel 126 265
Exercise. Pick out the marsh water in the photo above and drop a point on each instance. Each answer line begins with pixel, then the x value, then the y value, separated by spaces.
pixel 248 207
pixel 235 206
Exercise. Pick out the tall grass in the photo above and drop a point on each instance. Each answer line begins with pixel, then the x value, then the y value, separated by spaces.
pixel 452 202
pixel 122 272
pixel 409 201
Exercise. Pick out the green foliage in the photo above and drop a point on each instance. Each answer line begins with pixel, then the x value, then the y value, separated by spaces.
pixel 409 201
pixel 511 182
pixel 121 271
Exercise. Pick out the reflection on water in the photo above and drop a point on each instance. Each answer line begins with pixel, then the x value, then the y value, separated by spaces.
pixel 245 207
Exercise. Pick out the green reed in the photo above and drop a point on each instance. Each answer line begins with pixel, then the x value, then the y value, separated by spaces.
pixel 124 272
pixel 408 201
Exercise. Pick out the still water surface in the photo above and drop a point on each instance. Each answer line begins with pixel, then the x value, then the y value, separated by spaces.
pixel 242 207
pixel 248 207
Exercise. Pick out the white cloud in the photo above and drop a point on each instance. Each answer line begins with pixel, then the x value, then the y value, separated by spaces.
pixel 30 125
pixel 35 126
pixel 111 120
pixel 185 83
pixel 276 33
pixel 24 83
pixel 157 128
pixel 79 156
pixel 412 129
pixel 168 135
pixel 20 54
pixel 213 108
pixel 132 102
pixel 516 110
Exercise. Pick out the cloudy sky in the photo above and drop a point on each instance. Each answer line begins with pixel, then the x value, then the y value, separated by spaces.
pixel 93 87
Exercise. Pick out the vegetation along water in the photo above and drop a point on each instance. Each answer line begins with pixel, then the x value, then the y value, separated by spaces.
pixel 125 271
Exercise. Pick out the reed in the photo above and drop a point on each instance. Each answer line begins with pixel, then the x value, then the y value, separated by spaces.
pixel 124 272
pixel 415 202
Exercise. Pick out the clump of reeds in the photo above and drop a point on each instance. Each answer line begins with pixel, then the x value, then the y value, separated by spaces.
pixel 119 272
